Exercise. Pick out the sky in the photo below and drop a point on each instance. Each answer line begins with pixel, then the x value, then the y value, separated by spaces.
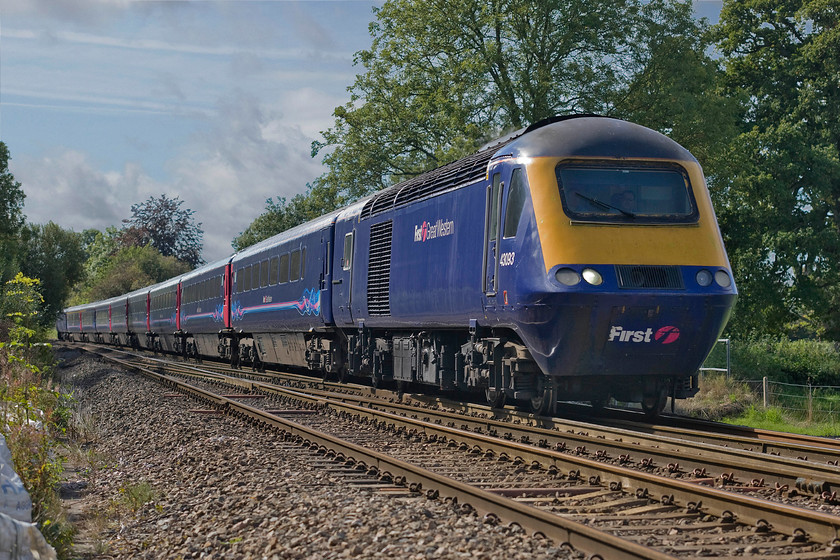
pixel 105 103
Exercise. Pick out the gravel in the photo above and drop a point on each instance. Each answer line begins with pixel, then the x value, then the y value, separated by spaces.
pixel 152 478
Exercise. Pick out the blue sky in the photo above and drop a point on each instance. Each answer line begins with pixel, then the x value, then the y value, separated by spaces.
pixel 104 103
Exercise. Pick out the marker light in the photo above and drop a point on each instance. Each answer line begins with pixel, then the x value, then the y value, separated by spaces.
pixel 567 276
pixel 592 276
pixel 723 279
pixel 704 278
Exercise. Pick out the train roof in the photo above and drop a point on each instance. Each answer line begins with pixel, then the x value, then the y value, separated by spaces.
pixel 593 136
pixel 568 136
pixel 204 269
pixel 166 283
pixel 293 233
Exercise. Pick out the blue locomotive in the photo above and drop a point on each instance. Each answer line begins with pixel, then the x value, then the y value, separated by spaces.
pixel 578 259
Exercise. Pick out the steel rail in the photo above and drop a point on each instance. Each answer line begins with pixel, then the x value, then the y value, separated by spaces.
pixel 764 441
pixel 784 518
pixel 811 448
pixel 579 536
pixel 806 476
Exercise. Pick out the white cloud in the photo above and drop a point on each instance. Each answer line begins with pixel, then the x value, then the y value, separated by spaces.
pixel 249 154
pixel 67 189
pixel 108 102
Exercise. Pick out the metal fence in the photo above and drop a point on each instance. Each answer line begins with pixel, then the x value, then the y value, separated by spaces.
pixel 809 402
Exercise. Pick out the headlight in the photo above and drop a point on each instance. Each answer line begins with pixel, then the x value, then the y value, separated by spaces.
pixel 567 276
pixel 704 278
pixel 592 276
pixel 723 279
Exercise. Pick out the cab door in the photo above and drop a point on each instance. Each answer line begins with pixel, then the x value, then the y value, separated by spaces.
pixel 492 238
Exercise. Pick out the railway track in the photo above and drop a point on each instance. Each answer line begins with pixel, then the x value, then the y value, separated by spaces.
pixel 589 494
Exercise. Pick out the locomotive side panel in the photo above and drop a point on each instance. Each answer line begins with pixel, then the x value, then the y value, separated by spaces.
pixel 430 270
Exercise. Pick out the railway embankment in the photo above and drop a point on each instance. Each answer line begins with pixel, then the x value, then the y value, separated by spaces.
pixel 152 475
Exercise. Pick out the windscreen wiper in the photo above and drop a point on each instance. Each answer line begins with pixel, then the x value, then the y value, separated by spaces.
pixel 603 204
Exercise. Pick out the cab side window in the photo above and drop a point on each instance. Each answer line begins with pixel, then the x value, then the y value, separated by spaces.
pixel 515 202
pixel 346 261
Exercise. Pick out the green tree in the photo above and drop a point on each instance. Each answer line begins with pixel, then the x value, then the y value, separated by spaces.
pixel 281 215
pixel 11 217
pixel 163 224
pixel 780 197
pixel 676 86
pixel 443 77
pixel 129 269
pixel 55 256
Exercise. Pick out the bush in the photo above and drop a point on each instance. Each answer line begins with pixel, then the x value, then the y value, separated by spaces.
pixel 786 361
pixel 32 413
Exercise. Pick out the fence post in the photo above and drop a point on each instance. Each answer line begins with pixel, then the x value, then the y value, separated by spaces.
pixel 765 387
pixel 810 403
pixel 728 359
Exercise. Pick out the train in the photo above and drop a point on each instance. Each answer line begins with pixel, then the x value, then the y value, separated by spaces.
pixel 577 259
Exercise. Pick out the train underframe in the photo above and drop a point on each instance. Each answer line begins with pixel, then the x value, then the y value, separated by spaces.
pixel 480 360
pixel 485 361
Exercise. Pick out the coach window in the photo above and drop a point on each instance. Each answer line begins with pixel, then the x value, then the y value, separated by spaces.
pixel 246 278
pixel 347 261
pixel 302 262
pixel 255 276
pixel 273 272
pixel 284 268
pixel 294 274
pixel 264 274
pixel 240 281
pixel 515 202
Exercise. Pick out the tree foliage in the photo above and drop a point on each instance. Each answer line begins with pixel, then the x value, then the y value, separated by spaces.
pixel 129 269
pixel 11 217
pixel 780 201
pixel 163 224
pixel 55 256
pixel 281 215
pixel 441 78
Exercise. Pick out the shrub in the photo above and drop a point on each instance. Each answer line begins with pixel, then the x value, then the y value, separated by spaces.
pixel 787 361
pixel 32 413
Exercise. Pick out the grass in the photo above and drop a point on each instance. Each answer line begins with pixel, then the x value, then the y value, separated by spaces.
pixel 719 397
pixel 725 400
pixel 779 420
pixel 135 496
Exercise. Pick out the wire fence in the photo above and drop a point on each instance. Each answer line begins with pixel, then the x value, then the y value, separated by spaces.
pixel 820 403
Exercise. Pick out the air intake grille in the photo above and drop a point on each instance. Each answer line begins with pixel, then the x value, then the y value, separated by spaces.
pixel 638 277
pixel 379 269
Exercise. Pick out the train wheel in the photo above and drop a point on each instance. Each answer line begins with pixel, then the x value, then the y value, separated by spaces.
pixel 652 405
pixel 495 398
pixel 546 401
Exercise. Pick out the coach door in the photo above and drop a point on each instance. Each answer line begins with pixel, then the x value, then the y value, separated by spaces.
pixel 342 277
pixel 325 277
pixel 490 265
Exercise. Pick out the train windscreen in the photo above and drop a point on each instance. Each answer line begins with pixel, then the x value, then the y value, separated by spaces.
pixel 626 193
